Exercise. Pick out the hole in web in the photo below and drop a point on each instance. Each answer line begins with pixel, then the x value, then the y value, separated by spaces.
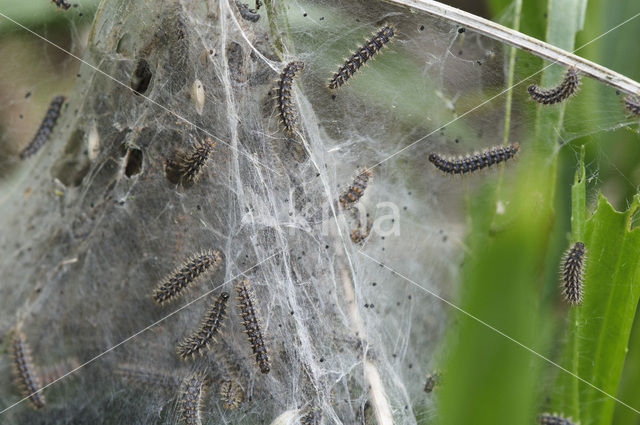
pixel 134 162
pixel 141 77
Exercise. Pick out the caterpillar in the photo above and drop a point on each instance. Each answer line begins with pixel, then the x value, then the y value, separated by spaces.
pixel 285 105
pixel 555 419
pixel 45 129
pixel 478 161
pixel 358 235
pixel 190 163
pixel 246 13
pixel 564 90
pixel 632 103
pixel 313 416
pixel 174 284
pixel 356 190
pixel 143 376
pixel 231 394
pixel 571 272
pixel 63 4
pixel 431 382
pixel 210 326
pixel 191 399
pixel 251 321
pixel 25 371
pixel 58 370
pixel 358 58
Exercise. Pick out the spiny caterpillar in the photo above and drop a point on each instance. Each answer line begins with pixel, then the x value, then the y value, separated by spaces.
pixel 555 419
pixel 478 161
pixel 231 394
pixel 361 56
pixel 191 398
pixel 143 376
pixel 27 376
pixel 62 4
pixel 246 13
pixel 572 266
pixel 251 321
pixel 210 326
pixel 356 190
pixel 632 103
pixel 191 163
pixel 565 89
pixel 188 273
pixel 358 235
pixel 285 106
pixel 46 127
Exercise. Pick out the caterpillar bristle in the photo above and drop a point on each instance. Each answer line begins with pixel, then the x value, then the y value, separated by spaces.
pixel 553 419
pixel 45 129
pixel 287 110
pixel 360 234
pixel 632 104
pixel 571 273
pixel 353 194
pixel 478 161
pixel 140 375
pixel 191 270
pixel 62 4
pixel 247 13
pixel 231 394
pixel 252 323
pixel 191 398
pixel 210 327
pixel 566 88
pixel 360 56
pixel 25 371
pixel 191 163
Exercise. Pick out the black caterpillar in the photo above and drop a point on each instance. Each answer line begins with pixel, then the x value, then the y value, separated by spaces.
pixel 471 163
pixel 565 89
pixel 251 321
pixel 632 103
pixel 231 394
pixel 246 13
pixel 356 190
pixel 27 376
pixel 555 419
pixel 191 163
pixel 63 4
pixel 45 129
pixel 188 273
pixel 572 266
pixel 191 399
pixel 361 56
pixel 285 106
pixel 142 376
pixel 209 328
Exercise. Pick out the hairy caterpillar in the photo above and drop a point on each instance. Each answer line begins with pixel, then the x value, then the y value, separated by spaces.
pixel 632 103
pixel 58 370
pixel 555 419
pixel 143 376
pixel 63 4
pixel 251 321
pixel 356 190
pixel 358 235
pixel 45 129
pixel 478 161
pixel 191 399
pixel 174 284
pixel 231 394
pixel 189 164
pixel 361 56
pixel 210 326
pixel 285 105
pixel 25 372
pixel 246 13
pixel 564 90
pixel 571 272
pixel 312 417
